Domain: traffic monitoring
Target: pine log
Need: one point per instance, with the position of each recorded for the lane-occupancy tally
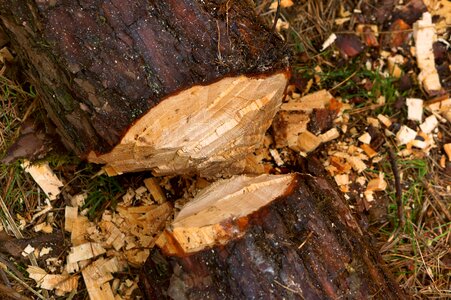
(268, 237)
(177, 86)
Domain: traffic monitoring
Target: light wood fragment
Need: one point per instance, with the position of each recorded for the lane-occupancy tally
(440, 106)
(377, 184)
(357, 164)
(384, 120)
(44, 177)
(329, 135)
(96, 276)
(373, 122)
(307, 141)
(309, 102)
(447, 148)
(79, 232)
(405, 135)
(393, 63)
(154, 188)
(287, 126)
(424, 36)
(85, 251)
(370, 152)
(61, 282)
(70, 214)
(43, 227)
(365, 138)
(28, 250)
(414, 109)
(276, 156)
(342, 179)
(429, 124)
(116, 238)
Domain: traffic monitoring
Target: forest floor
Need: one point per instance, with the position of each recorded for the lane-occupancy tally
(380, 131)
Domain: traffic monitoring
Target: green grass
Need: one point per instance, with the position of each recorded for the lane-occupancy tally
(103, 191)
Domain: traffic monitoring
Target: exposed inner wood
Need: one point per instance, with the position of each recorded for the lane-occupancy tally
(201, 129)
(218, 214)
(268, 237)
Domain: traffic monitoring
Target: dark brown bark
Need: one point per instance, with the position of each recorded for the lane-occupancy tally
(305, 245)
(102, 64)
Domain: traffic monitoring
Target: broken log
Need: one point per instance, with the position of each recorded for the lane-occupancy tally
(267, 237)
(177, 86)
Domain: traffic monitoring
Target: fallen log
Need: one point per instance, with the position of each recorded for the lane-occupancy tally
(267, 237)
(178, 86)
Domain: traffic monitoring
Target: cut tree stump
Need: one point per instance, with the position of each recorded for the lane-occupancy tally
(268, 237)
(177, 86)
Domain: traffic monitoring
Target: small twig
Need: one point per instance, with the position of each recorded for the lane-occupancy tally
(401, 220)
(11, 293)
(306, 240)
(25, 285)
(289, 289)
(394, 166)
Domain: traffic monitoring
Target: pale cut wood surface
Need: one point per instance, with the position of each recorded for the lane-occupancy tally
(203, 129)
(219, 213)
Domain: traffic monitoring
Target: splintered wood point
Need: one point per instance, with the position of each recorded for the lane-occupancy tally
(219, 213)
(177, 87)
(44, 177)
(199, 129)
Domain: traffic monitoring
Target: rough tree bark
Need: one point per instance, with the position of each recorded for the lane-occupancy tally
(166, 85)
(268, 237)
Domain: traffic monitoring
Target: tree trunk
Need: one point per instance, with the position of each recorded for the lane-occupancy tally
(268, 237)
(166, 85)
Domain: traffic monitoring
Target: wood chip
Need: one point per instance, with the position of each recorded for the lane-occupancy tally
(368, 150)
(43, 227)
(307, 142)
(384, 120)
(154, 188)
(70, 214)
(96, 277)
(329, 135)
(283, 3)
(342, 179)
(28, 250)
(405, 135)
(357, 164)
(85, 251)
(309, 102)
(44, 177)
(373, 122)
(64, 283)
(424, 36)
(329, 41)
(447, 148)
(429, 124)
(393, 63)
(276, 156)
(44, 251)
(365, 138)
(377, 184)
(414, 109)
(287, 126)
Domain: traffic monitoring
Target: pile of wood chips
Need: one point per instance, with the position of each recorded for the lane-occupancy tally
(122, 238)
